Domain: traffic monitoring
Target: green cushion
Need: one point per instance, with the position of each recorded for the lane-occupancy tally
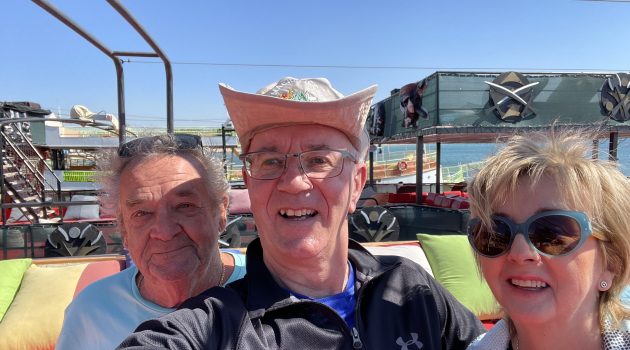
(454, 266)
(10, 279)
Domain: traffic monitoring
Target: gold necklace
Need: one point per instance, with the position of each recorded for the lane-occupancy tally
(141, 277)
(222, 274)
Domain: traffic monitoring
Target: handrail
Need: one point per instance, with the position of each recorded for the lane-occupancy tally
(5, 141)
(12, 163)
(49, 203)
(60, 120)
(17, 150)
(31, 188)
(114, 55)
(42, 161)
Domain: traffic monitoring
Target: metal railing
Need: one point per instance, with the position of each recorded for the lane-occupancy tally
(28, 185)
(461, 172)
(115, 57)
(30, 166)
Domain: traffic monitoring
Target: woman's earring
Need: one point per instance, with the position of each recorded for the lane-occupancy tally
(603, 286)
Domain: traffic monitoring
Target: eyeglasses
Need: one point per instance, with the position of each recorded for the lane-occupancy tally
(318, 164)
(143, 144)
(550, 233)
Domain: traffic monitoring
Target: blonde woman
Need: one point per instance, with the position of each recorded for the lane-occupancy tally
(551, 229)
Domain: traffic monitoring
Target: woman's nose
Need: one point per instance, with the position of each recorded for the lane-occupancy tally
(522, 251)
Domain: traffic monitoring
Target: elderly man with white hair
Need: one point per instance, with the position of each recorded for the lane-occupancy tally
(307, 285)
(171, 202)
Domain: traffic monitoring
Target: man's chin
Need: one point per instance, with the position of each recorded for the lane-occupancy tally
(176, 271)
(295, 248)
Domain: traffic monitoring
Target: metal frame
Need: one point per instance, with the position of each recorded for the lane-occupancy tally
(58, 184)
(115, 56)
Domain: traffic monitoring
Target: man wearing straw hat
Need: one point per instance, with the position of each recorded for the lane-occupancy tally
(307, 285)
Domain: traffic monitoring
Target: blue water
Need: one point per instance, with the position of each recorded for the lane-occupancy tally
(460, 153)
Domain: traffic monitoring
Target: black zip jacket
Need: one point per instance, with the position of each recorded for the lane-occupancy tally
(399, 306)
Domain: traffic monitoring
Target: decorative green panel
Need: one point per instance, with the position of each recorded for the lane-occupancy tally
(468, 99)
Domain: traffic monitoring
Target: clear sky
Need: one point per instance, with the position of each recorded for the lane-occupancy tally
(43, 61)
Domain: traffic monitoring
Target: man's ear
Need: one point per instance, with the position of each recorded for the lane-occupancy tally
(244, 174)
(223, 209)
(121, 228)
(358, 181)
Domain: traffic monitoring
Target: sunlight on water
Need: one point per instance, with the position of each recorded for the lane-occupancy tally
(461, 153)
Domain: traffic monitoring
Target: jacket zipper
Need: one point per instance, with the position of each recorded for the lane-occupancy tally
(356, 341)
(354, 333)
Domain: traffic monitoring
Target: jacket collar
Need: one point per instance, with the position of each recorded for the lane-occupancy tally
(265, 293)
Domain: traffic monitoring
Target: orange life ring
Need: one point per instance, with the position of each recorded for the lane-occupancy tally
(402, 166)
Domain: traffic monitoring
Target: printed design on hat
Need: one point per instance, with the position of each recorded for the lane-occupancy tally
(511, 96)
(286, 89)
(615, 97)
(294, 95)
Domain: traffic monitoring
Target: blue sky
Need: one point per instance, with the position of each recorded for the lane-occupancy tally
(44, 61)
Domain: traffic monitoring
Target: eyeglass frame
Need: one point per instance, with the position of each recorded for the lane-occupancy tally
(129, 148)
(344, 154)
(586, 230)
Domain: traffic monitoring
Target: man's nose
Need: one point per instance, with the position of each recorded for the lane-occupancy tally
(294, 180)
(165, 224)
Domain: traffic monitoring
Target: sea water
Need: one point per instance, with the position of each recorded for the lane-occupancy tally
(462, 153)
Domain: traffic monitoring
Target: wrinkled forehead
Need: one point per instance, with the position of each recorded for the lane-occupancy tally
(145, 163)
(303, 136)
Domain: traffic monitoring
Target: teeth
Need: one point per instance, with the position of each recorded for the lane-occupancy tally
(296, 212)
(529, 283)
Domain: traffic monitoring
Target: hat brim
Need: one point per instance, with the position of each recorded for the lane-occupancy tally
(253, 113)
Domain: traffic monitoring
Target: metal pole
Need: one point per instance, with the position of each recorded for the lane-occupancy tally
(612, 146)
(167, 64)
(595, 150)
(117, 62)
(438, 166)
(371, 162)
(419, 166)
(4, 218)
(224, 149)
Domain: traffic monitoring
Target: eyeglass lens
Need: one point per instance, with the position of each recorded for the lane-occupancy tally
(317, 164)
(552, 235)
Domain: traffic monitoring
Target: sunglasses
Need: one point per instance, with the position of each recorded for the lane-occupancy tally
(143, 144)
(551, 233)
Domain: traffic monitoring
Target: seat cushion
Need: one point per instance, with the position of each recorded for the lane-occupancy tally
(10, 279)
(34, 319)
(454, 266)
(411, 251)
(85, 211)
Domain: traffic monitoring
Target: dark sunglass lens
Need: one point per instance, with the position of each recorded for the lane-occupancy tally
(555, 234)
(186, 141)
(491, 242)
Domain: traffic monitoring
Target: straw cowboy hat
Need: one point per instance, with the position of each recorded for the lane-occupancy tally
(292, 101)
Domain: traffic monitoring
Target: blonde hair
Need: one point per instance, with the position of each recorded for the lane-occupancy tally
(594, 186)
